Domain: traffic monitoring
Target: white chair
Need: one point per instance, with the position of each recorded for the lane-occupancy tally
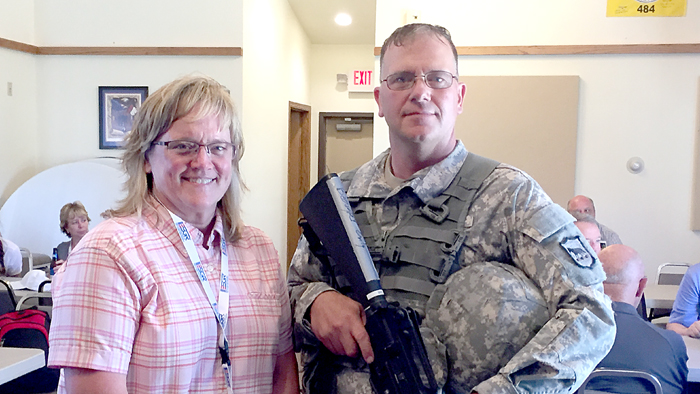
(41, 301)
(671, 273)
(668, 274)
(621, 374)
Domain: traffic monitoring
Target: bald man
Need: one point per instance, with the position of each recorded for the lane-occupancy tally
(639, 345)
(582, 207)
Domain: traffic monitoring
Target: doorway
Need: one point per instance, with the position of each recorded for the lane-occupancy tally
(298, 168)
(345, 141)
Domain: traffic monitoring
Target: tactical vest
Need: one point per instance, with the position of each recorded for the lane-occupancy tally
(423, 250)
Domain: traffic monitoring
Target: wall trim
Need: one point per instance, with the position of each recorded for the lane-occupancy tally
(574, 49)
(121, 51)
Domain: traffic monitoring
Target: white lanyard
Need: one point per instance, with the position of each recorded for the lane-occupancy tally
(221, 308)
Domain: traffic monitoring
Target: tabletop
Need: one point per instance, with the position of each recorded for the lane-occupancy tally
(660, 296)
(15, 362)
(692, 346)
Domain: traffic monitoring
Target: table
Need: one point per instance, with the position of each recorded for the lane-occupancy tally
(660, 296)
(692, 346)
(15, 362)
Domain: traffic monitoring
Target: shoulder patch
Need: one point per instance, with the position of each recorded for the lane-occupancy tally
(575, 248)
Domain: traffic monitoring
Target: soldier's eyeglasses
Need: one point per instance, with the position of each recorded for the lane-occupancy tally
(405, 80)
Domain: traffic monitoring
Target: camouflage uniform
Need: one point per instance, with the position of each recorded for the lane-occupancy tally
(520, 316)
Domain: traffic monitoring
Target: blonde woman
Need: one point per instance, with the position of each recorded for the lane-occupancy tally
(74, 224)
(174, 294)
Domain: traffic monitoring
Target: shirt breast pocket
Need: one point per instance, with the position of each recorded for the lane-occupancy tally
(254, 320)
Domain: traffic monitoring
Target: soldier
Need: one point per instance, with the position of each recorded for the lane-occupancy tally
(510, 292)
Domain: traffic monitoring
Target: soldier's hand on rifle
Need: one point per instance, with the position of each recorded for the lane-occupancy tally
(339, 323)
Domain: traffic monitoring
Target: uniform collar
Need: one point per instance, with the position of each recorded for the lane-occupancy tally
(428, 183)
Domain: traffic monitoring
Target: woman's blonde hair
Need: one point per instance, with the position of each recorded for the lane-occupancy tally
(155, 117)
(72, 209)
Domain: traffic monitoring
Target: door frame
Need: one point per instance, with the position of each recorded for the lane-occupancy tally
(297, 188)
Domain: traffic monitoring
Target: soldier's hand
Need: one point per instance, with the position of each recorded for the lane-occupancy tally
(339, 323)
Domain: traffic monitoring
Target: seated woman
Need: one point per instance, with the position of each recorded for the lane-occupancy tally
(173, 293)
(10, 258)
(74, 223)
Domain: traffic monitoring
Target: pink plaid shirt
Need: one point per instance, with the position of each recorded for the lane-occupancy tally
(129, 301)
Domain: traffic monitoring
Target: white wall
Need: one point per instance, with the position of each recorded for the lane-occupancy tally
(54, 112)
(18, 137)
(275, 66)
(329, 96)
(516, 22)
(67, 103)
(52, 118)
(630, 105)
(138, 23)
(17, 20)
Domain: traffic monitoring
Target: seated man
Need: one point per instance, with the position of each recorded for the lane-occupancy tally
(685, 316)
(639, 345)
(582, 207)
(10, 258)
(590, 231)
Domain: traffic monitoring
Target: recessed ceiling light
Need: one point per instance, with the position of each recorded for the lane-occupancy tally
(343, 19)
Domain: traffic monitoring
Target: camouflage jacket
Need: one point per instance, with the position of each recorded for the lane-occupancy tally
(512, 222)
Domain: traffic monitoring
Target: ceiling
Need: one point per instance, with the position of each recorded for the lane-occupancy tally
(317, 19)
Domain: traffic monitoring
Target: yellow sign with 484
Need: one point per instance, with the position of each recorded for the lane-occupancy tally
(646, 8)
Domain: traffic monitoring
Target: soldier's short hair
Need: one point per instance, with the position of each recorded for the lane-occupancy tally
(407, 33)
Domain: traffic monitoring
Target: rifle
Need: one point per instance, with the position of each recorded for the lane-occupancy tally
(401, 364)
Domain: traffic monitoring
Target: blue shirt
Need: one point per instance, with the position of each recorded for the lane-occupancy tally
(686, 307)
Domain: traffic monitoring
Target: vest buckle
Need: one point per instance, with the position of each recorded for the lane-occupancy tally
(392, 254)
(437, 214)
(445, 268)
(454, 245)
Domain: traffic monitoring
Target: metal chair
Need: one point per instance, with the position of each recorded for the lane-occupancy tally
(27, 260)
(7, 298)
(622, 375)
(41, 300)
(668, 274)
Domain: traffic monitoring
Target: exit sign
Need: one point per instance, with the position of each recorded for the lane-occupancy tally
(361, 81)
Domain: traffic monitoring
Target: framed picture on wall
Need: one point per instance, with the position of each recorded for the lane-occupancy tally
(118, 105)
